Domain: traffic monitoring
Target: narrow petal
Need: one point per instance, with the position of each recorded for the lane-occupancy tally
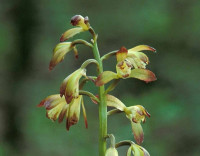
(146, 153)
(143, 74)
(142, 47)
(138, 132)
(105, 77)
(59, 53)
(121, 54)
(73, 112)
(63, 85)
(114, 102)
(129, 151)
(63, 113)
(84, 114)
(70, 33)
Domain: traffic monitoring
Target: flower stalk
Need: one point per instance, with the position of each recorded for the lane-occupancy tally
(102, 103)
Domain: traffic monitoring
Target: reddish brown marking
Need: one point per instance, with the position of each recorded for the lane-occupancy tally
(126, 75)
(149, 115)
(72, 121)
(86, 123)
(133, 119)
(95, 102)
(122, 50)
(139, 139)
(152, 49)
(62, 38)
(68, 98)
(98, 81)
(151, 77)
(62, 115)
(41, 103)
(51, 65)
(75, 19)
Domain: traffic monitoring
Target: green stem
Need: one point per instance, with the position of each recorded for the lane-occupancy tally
(102, 104)
(124, 143)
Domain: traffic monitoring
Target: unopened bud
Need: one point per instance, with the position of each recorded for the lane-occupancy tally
(111, 152)
(79, 20)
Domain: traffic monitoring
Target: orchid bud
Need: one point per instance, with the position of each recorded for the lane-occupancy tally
(111, 152)
(79, 20)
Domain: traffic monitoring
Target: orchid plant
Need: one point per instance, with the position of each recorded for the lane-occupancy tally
(67, 104)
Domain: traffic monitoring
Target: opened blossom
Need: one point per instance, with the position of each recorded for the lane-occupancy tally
(82, 25)
(57, 108)
(126, 61)
(136, 114)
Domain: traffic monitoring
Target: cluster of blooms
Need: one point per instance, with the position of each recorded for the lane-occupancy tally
(130, 64)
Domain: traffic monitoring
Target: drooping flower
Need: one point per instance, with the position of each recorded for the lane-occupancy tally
(111, 152)
(70, 86)
(135, 114)
(137, 150)
(59, 53)
(57, 108)
(126, 60)
(81, 23)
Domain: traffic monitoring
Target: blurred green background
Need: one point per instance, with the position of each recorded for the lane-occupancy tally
(29, 30)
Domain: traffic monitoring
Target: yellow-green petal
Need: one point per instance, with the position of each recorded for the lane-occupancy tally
(72, 85)
(114, 102)
(54, 105)
(142, 47)
(129, 151)
(143, 74)
(59, 53)
(73, 112)
(105, 77)
(70, 33)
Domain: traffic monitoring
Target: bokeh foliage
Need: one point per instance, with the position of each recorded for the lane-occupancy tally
(30, 29)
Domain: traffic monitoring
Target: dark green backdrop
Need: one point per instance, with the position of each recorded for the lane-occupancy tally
(29, 29)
